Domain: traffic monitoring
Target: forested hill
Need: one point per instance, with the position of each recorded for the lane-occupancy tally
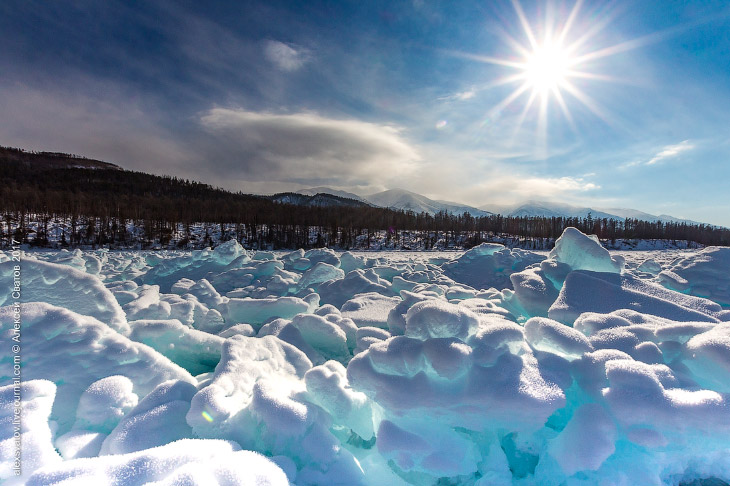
(319, 199)
(51, 160)
(51, 183)
(97, 203)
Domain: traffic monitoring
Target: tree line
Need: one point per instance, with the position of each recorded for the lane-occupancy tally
(117, 208)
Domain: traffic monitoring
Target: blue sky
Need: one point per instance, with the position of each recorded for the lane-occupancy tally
(370, 95)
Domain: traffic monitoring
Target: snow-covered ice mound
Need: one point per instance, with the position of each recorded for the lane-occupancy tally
(705, 274)
(496, 367)
(65, 287)
(489, 265)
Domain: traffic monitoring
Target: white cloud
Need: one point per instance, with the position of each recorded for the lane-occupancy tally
(465, 95)
(304, 148)
(546, 186)
(460, 96)
(287, 57)
(511, 188)
(628, 165)
(671, 151)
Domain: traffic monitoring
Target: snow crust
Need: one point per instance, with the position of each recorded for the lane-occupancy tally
(491, 367)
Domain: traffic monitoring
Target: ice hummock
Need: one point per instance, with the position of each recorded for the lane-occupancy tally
(492, 367)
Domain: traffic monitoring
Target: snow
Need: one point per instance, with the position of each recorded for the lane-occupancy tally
(74, 351)
(326, 337)
(585, 291)
(704, 275)
(558, 209)
(160, 418)
(489, 265)
(493, 366)
(65, 287)
(548, 335)
(319, 273)
(410, 201)
(258, 311)
(369, 309)
(710, 357)
(35, 433)
(189, 462)
(438, 319)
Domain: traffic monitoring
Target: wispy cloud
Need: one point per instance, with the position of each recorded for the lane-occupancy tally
(460, 96)
(671, 151)
(287, 57)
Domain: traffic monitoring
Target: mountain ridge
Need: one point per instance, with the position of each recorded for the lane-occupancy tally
(549, 209)
(418, 203)
(407, 200)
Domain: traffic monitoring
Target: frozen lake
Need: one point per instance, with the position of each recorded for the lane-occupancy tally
(483, 367)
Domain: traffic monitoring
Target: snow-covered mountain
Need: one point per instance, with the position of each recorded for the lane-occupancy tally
(550, 209)
(633, 213)
(547, 209)
(406, 200)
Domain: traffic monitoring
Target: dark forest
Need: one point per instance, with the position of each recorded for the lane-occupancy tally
(100, 200)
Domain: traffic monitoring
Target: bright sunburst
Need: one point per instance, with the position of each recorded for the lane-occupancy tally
(545, 68)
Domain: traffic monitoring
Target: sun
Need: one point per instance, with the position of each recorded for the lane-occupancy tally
(547, 68)
(553, 61)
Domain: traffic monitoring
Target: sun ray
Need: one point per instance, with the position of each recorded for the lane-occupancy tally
(506, 80)
(542, 126)
(509, 99)
(593, 76)
(547, 57)
(564, 109)
(515, 44)
(615, 49)
(525, 24)
(569, 22)
(586, 101)
(486, 59)
(643, 40)
(596, 27)
(523, 114)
